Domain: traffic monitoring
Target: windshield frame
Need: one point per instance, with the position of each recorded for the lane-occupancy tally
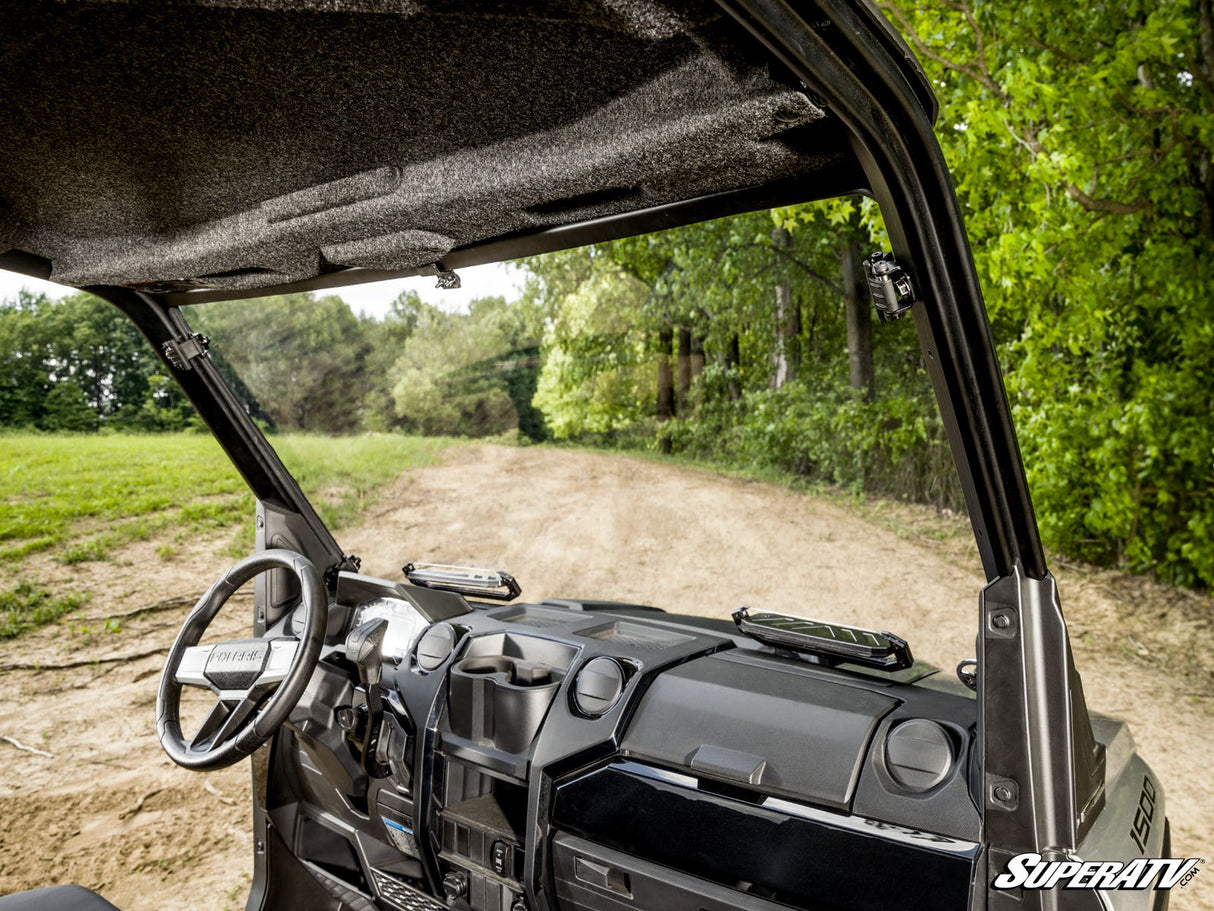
(1033, 723)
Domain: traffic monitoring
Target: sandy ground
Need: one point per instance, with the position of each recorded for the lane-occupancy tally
(106, 809)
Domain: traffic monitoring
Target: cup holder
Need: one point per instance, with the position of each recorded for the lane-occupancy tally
(515, 671)
(500, 700)
(485, 665)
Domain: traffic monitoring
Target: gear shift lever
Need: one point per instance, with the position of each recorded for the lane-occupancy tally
(364, 648)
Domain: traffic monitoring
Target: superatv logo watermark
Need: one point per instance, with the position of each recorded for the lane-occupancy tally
(1031, 871)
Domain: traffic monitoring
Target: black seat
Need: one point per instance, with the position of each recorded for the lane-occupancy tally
(56, 898)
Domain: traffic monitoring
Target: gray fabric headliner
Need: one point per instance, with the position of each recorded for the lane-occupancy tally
(244, 143)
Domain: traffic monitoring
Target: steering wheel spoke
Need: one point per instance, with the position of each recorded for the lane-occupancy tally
(226, 717)
(192, 670)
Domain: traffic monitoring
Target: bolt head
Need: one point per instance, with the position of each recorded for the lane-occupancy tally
(1001, 621)
(1003, 793)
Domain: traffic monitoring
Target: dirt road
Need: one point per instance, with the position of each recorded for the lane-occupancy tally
(108, 810)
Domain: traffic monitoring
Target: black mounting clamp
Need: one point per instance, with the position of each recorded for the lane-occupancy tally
(889, 285)
(349, 563)
(180, 351)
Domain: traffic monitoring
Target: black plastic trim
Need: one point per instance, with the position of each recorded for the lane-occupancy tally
(783, 857)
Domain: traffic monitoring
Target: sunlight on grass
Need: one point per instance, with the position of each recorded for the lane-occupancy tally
(80, 498)
(83, 496)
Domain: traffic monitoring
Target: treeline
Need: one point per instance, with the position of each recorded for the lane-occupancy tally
(295, 362)
(78, 363)
(312, 364)
(749, 341)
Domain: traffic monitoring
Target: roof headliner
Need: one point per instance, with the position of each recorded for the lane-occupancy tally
(244, 144)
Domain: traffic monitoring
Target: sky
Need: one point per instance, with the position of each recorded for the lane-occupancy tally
(371, 299)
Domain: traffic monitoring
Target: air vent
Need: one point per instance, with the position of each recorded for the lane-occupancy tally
(598, 686)
(435, 646)
(918, 754)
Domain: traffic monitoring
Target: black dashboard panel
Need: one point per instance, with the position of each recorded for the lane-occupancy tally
(780, 729)
(578, 755)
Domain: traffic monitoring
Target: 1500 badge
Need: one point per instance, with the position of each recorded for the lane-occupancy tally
(1140, 831)
(1032, 871)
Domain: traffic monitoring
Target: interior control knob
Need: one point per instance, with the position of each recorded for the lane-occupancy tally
(455, 886)
(347, 719)
(598, 686)
(435, 646)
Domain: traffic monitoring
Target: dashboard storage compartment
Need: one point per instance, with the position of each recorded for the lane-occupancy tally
(638, 830)
(707, 716)
(591, 877)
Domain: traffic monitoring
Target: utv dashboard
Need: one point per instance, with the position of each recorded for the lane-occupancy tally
(588, 755)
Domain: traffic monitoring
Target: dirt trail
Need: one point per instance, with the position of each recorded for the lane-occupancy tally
(111, 812)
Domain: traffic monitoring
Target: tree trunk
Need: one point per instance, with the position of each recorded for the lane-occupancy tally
(792, 337)
(733, 368)
(684, 370)
(697, 356)
(859, 322)
(781, 366)
(665, 376)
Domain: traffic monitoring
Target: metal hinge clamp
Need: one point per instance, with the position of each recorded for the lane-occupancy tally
(889, 285)
(349, 563)
(180, 351)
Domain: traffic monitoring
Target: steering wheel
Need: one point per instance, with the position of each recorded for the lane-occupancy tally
(256, 682)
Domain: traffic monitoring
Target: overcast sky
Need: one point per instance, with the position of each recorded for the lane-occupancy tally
(372, 298)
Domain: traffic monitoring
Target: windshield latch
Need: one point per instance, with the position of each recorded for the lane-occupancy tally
(180, 351)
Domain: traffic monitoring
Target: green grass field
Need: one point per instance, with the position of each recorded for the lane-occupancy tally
(78, 498)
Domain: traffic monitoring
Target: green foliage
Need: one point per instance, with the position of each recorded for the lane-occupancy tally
(77, 364)
(598, 375)
(301, 357)
(893, 446)
(387, 338)
(606, 306)
(28, 607)
(468, 374)
(65, 408)
(1081, 140)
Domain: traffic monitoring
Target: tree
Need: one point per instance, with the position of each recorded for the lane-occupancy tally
(1081, 138)
(60, 359)
(470, 374)
(387, 339)
(24, 373)
(67, 409)
(599, 374)
(302, 357)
